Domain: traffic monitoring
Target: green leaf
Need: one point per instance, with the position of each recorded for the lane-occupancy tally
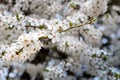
(10, 28)
(73, 5)
(70, 23)
(3, 53)
(42, 26)
(17, 17)
(104, 58)
(66, 44)
(117, 75)
(46, 70)
(94, 55)
(43, 37)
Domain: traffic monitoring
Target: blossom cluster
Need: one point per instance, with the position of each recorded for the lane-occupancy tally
(27, 26)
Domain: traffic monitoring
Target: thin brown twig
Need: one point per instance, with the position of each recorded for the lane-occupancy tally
(76, 26)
